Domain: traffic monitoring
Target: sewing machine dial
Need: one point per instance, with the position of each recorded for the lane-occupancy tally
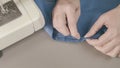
(8, 11)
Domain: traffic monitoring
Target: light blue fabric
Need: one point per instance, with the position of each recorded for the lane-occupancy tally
(90, 12)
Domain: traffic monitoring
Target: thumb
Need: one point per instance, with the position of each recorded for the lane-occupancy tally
(96, 27)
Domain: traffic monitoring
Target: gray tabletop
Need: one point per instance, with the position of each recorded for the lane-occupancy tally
(40, 51)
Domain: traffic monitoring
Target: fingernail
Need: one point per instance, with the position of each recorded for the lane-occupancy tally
(77, 36)
(85, 36)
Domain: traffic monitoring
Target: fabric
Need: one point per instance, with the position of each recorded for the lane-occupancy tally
(90, 12)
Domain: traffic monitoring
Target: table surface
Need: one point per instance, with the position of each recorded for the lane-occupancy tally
(40, 51)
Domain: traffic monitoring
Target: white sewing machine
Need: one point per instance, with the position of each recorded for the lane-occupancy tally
(18, 19)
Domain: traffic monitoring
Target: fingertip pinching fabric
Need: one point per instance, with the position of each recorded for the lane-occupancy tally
(91, 10)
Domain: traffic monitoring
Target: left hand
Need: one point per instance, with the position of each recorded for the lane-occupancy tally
(65, 16)
(109, 42)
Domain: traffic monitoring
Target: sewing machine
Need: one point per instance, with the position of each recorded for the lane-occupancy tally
(18, 19)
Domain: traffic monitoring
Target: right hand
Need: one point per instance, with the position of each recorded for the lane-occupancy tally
(65, 17)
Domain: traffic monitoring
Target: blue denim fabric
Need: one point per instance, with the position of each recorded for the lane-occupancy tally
(90, 12)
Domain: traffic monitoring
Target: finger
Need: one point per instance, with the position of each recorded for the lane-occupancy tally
(59, 23)
(109, 46)
(72, 19)
(98, 24)
(98, 48)
(114, 52)
(104, 39)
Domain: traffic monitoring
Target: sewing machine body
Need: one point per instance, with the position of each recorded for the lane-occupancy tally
(29, 20)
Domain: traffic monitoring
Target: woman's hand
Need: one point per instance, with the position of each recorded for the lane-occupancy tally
(65, 17)
(109, 42)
